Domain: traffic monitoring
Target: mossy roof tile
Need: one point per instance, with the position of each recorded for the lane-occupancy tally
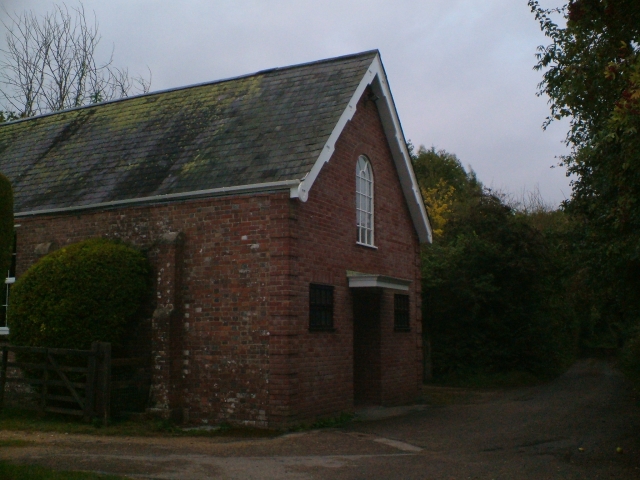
(266, 127)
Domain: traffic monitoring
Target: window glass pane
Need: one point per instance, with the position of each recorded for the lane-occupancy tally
(364, 201)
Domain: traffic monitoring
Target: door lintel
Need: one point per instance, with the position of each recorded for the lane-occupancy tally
(373, 280)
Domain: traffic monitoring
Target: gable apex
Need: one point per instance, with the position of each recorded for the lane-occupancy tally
(376, 78)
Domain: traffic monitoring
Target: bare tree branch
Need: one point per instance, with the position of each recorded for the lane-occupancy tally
(50, 64)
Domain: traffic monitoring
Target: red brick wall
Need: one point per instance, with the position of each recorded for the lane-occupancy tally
(325, 230)
(211, 345)
(230, 332)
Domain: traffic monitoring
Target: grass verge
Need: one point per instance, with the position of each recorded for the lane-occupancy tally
(511, 379)
(12, 419)
(11, 471)
(14, 442)
(330, 422)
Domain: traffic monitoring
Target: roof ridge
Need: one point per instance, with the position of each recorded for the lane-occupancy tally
(196, 85)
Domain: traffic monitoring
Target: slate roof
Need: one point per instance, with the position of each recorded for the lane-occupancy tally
(266, 127)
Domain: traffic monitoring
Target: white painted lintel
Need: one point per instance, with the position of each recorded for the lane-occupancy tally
(370, 280)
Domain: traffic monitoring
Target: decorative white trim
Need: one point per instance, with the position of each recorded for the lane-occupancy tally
(377, 79)
(213, 192)
(327, 151)
(365, 245)
(369, 280)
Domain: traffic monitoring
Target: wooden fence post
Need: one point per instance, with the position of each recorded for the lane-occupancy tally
(90, 390)
(45, 382)
(103, 383)
(3, 375)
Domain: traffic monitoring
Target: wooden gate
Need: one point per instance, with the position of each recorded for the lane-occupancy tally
(72, 382)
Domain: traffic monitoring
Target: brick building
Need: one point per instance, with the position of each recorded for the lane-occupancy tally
(282, 216)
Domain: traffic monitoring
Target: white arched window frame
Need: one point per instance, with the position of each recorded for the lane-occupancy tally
(364, 202)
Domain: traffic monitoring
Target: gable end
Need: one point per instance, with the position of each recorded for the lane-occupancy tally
(376, 78)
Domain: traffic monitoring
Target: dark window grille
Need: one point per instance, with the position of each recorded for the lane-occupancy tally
(320, 307)
(401, 318)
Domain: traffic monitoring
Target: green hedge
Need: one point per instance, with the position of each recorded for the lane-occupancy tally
(492, 296)
(630, 360)
(6, 224)
(86, 292)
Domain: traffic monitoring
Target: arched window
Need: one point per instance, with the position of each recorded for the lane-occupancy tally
(364, 201)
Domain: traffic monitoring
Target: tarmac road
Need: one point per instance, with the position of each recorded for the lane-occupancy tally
(570, 428)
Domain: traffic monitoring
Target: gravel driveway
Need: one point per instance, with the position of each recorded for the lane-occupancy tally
(584, 425)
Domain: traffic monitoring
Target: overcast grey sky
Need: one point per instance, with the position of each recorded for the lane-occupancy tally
(460, 70)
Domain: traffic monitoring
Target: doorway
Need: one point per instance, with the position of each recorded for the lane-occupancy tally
(367, 378)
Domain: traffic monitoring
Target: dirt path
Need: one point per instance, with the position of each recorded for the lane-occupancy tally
(568, 429)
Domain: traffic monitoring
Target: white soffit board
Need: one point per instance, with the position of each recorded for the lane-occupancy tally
(213, 192)
(367, 280)
(377, 79)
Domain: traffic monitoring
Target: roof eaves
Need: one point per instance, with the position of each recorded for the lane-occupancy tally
(213, 192)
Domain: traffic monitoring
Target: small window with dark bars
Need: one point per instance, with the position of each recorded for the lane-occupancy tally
(320, 307)
(401, 313)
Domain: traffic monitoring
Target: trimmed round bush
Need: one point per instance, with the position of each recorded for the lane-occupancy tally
(89, 291)
(6, 224)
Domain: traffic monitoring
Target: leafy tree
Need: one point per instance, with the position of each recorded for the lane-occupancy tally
(490, 295)
(440, 167)
(592, 77)
(443, 182)
(439, 201)
(493, 278)
(50, 64)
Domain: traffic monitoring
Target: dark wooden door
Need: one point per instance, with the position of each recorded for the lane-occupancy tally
(366, 348)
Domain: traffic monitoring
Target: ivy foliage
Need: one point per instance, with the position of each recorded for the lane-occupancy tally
(591, 74)
(592, 77)
(85, 292)
(492, 279)
(6, 223)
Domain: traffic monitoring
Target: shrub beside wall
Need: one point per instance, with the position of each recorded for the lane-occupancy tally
(85, 292)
